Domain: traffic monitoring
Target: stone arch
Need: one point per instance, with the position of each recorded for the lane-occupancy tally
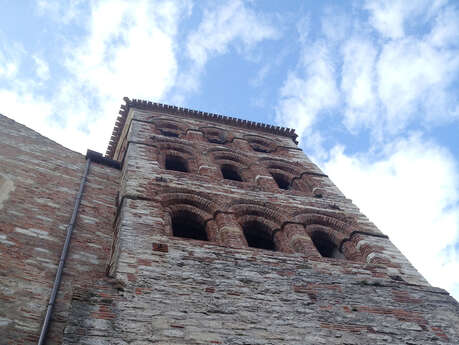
(323, 237)
(261, 144)
(228, 158)
(197, 208)
(168, 149)
(335, 229)
(189, 198)
(249, 207)
(215, 135)
(339, 223)
(287, 175)
(228, 154)
(253, 218)
(169, 127)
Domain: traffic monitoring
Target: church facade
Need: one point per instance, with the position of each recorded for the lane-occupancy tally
(197, 228)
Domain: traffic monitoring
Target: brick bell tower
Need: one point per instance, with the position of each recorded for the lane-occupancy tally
(226, 233)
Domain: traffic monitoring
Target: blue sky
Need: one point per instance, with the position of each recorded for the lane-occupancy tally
(370, 86)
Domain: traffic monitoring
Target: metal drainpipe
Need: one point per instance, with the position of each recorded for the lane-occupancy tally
(65, 249)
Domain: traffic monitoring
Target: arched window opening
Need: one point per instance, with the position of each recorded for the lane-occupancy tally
(258, 236)
(187, 225)
(230, 173)
(216, 137)
(169, 133)
(325, 246)
(259, 147)
(281, 180)
(169, 130)
(176, 163)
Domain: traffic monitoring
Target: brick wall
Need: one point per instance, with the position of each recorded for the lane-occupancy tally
(39, 182)
(162, 289)
(182, 291)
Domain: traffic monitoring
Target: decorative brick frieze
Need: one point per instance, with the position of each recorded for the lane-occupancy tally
(183, 112)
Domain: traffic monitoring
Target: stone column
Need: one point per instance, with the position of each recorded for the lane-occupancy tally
(263, 178)
(207, 168)
(231, 234)
(298, 240)
(281, 242)
(194, 135)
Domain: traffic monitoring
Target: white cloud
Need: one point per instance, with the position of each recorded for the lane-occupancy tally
(25, 108)
(63, 11)
(307, 93)
(232, 22)
(335, 24)
(41, 68)
(411, 193)
(390, 17)
(230, 25)
(11, 56)
(8, 68)
(414, 78)
(388, 82)
(445, 31)
(129, 50)
(127, 40)
(408, 77)
(358, 82)
(303, 27)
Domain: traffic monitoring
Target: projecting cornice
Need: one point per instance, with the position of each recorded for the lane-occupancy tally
(173, 110)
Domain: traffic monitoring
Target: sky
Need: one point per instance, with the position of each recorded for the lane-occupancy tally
(371, 88)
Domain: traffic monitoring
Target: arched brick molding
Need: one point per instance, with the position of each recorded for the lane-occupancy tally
(261, 144)
(339, 222)
(222, 157)
(198, 207)
(288, 175)
(263, 218)
(335, 229)
(251, 207)
(169, 127)
(181, 151)
(189, 198)
(215, 135)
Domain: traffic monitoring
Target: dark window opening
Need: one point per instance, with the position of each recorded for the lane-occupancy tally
(258, 236)
(216, 137)
(185, 224)
(281, 180)
(176, 163)
(169, 134)
(325, 246)
(259, 148)
(230, 173)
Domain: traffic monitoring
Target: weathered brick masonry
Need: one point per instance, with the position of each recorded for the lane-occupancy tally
(39, 180)
(331, 277)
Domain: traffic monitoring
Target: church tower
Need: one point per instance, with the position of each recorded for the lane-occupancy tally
(222, 231)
